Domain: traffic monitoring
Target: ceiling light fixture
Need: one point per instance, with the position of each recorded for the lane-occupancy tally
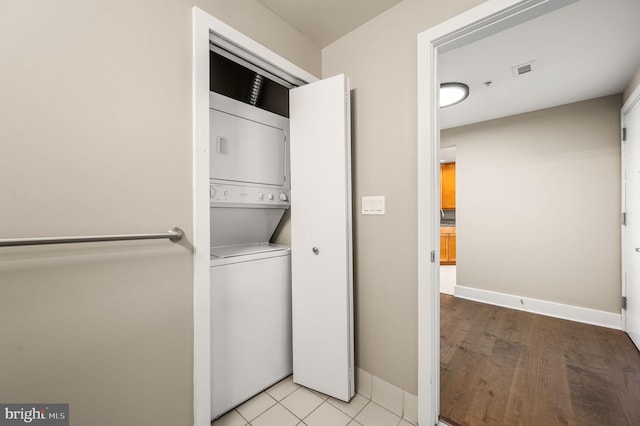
(453, 93)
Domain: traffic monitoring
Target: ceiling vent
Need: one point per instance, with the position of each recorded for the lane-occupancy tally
(521, 69)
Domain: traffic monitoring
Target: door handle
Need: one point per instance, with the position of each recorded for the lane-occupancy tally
(638, 249)
(315, 251)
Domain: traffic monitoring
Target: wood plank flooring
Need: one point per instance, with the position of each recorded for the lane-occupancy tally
(501, 366)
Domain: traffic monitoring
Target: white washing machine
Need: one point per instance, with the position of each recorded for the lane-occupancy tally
(251, 334)
(251, 322)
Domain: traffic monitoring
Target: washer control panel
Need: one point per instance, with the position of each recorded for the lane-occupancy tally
(230, 194)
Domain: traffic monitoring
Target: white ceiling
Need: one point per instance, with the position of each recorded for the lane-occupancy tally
(326, 21)
(585, 50)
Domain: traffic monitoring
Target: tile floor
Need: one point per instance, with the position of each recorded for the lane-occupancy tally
(447, 279)
(289, 404)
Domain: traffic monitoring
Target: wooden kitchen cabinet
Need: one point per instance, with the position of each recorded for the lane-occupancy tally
(444, 248)
(448, 186)
(447, 245)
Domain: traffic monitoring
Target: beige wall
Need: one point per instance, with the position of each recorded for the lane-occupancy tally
(538, 204)
(635, 82)
(95, 130)
(380, 59)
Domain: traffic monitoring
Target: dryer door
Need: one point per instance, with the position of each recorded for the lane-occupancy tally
(321, 237)
(246, 151)
(247, 145)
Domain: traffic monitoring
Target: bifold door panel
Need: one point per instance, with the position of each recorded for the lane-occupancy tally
(321, 237)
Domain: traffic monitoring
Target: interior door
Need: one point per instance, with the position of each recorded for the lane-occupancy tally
(631, 235)
(321, 252)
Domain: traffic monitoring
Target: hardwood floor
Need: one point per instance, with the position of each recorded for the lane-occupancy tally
(501, 366)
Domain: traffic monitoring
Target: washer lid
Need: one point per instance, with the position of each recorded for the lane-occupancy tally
(228, 255)
(243, 225)
(245, 249)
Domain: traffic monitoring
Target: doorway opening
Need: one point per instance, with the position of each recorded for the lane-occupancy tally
(489, 18)
(206, 27)
(247, 129)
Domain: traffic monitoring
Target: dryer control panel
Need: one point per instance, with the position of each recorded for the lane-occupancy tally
(249, 196)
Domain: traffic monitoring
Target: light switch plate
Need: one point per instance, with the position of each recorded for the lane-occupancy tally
(373, 205)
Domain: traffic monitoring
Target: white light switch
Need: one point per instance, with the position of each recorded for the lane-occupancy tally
(373, 205)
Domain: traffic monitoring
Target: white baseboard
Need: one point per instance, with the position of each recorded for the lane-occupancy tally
(399, 402)
(542, 307)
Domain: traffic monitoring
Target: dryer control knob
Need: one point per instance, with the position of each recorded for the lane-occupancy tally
(261, 196)
(283, 196)
(270, 196)
(212, 192)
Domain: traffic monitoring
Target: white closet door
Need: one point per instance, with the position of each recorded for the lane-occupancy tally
(321, 253)
(631, 233)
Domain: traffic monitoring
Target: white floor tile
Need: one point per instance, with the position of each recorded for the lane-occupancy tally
(404, 423)
(375, 415)
(320, 395)
(327, 415)
(354, 423)
(232, 418)
(256, 406)
(276, 416)
(282, 389)
(351, 408)
(302, 402)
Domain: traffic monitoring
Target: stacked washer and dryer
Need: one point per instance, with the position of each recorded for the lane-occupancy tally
(251, 332)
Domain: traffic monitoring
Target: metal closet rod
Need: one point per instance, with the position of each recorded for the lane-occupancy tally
(175, 234)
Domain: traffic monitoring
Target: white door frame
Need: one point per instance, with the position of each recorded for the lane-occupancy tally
(631, 102)
(488, 18)
(203, 26)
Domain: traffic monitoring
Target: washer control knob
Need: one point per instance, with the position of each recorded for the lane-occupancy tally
(283, 196)
(212, 191)
(261, 196)
(270, 196)
(226, 193)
